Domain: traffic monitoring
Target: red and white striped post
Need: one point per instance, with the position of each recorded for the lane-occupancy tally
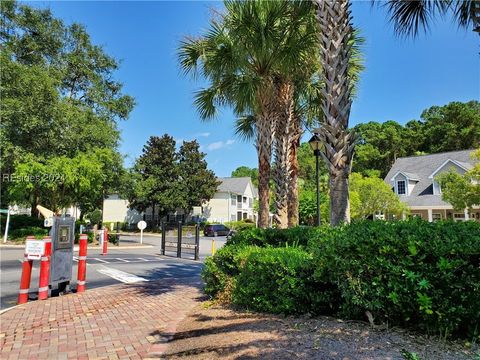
(45, 269)
(82, 263)
(26, 276)
(105, 241)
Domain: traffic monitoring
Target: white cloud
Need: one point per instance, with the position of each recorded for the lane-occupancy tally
(215, 145)
(219, 144)
(203, 134)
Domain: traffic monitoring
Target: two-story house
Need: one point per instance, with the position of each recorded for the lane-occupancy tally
(233, 201)
(413, 180)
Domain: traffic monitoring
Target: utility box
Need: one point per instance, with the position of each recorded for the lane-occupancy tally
(63, 235)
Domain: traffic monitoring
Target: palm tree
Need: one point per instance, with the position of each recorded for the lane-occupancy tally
(408, 17)
(336, 41)
(243, 55)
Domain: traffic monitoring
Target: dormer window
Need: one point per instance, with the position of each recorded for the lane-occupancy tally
(401, 187)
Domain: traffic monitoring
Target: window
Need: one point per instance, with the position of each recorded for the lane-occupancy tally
(436, 216)
(401, 189)
(244, 199)
(233, 218)
(233, 199)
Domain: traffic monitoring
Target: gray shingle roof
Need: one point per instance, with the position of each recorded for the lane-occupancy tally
(236, 185)
(422, 167)
(410, 175)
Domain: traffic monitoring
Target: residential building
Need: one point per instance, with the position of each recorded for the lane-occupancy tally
(413, 179)
(233, 201)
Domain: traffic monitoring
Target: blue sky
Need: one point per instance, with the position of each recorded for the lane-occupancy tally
(402, 76)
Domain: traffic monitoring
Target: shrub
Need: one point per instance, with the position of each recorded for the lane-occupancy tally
(90, 237)
(298, 236)
(280, 280)
(21, 222)
(240, 225)
(23, 233)
(222, 268)
(413, 273)
(410, 273)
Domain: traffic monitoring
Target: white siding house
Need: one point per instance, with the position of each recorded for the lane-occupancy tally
(413, 180)
(233, 201)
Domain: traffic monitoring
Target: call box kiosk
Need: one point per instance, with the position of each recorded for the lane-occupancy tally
(63, 235)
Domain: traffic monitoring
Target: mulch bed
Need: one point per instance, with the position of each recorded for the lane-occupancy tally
(219, 332)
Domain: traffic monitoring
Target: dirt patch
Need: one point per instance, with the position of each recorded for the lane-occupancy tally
(222, 333)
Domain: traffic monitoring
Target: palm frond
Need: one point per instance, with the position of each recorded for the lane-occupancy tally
(410, 16)
(245, 127)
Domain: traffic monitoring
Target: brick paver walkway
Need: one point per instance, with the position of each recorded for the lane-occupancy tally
(116, 322)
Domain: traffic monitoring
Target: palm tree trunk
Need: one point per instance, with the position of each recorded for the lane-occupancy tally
(264, 125)
(293, 170)
(264, 152)
(336, 32)
(282, 141)
(339, 198)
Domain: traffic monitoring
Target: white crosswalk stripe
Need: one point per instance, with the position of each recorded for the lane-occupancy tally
(91, 260)
(121, 275)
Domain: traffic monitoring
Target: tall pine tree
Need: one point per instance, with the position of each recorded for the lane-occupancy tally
(197, 183)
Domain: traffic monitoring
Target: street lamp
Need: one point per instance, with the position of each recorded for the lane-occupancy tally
(316, 144)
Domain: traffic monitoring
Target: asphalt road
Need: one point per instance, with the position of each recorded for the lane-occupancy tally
(120, 265)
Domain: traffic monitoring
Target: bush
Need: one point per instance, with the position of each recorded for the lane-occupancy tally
(222, 268)
(414, 274)
(280, 280)
(21, 234)
(21, 222)
(298, 236)
(409, 273)
(240, 225)
(90, 237)
(112, 238)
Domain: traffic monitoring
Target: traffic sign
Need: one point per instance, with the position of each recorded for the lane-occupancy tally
(141, 225)
(34, 249)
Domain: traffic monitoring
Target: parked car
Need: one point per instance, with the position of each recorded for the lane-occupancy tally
(216, 230)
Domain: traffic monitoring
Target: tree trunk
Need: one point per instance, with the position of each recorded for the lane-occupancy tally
(152, 224)
(264, 134)
(293, 170)
(339, 198)
(34, 212)
(336, 36)
(282, 140)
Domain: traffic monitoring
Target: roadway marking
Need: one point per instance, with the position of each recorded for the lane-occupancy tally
(121, 275)
(116, 260)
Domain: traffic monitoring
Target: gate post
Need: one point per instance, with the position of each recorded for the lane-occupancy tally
(197, 240)
(164, 235)
(179, 240)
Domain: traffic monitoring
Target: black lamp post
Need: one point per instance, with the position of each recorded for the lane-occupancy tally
(316, 144)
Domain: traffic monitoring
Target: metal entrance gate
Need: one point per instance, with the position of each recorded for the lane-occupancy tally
(180, 241)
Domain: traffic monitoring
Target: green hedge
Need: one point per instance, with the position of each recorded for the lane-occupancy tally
(298, 236)
(240, 225)
(281, 280)
(20, 222)
(409, 273)
(414, 274)
(23, 233)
